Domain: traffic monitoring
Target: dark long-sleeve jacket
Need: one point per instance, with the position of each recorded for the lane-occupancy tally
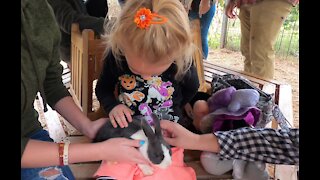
(40, 63)
(162, 95)
(73, 11)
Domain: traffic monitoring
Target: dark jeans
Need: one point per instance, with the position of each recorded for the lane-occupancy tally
(205, 22)
(38, 173)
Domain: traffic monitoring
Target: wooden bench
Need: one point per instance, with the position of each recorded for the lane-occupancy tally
(86, 64)
(282, 97)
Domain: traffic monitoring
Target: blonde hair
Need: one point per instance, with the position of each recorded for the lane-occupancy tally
(171, 39)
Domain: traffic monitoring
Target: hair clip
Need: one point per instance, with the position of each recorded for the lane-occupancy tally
(144, 17)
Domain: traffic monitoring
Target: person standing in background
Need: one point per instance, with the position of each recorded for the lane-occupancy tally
(203, 10)
(97, 8)
(75, 11)
(261, 21)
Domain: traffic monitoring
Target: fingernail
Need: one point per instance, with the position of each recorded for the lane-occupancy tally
(141, 142)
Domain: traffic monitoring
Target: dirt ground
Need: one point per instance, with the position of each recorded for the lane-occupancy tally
(286, 71)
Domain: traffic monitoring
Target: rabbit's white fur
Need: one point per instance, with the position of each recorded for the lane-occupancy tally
(146, 169)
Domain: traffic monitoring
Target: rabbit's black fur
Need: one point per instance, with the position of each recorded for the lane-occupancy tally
(157, 149)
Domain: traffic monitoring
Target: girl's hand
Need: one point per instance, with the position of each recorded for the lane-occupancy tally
(230, 9)
(120, 115)
(122, 150)
(204, 7)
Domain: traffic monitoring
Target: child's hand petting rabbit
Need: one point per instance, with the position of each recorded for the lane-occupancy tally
(120, 115)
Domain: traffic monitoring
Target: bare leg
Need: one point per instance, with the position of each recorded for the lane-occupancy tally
(200, 109)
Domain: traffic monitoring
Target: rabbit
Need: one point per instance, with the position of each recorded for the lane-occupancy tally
(155, 148)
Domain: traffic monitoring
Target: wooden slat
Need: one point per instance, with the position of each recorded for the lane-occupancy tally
(210, 67)
(79, 139)
(208, 63)
(286, 172)
(285, 102)
(87, 60)
(191, 155)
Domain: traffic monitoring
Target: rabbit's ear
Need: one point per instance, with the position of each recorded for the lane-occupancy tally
(148, 131)
(139, 117)
(156, 122)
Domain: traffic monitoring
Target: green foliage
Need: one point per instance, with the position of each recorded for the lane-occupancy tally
(221, 3)
(292, 19)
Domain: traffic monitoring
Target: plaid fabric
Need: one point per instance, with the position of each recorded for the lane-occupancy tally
(265, 144)
(244, 2)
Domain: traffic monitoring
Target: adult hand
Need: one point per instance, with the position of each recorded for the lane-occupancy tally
(122, 150)
(204, 7)
(178, 135)
(230, 9)
(181, 137)
(120, 115)
(93, 127)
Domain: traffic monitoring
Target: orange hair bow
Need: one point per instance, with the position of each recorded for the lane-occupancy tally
(144, 17)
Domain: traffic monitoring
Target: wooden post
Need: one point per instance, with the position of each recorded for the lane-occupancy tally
(223, 37)
(197, 57)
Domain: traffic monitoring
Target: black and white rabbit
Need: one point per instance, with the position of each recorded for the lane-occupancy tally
(155, 148)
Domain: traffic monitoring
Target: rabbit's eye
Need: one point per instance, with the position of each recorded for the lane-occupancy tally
(161, 156)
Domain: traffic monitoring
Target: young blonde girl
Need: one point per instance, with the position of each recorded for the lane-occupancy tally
(148, 70)
(148, 66)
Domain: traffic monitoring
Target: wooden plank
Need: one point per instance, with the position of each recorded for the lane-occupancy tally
(78, 139)
(191, 155)
(213, 67)
(285, 102)
(286, 172)
(217, 66)
(197, 56)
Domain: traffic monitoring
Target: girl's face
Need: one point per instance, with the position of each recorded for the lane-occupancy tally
(142, 66)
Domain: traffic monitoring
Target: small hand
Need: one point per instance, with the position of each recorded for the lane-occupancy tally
(230, 10)
(120, 115)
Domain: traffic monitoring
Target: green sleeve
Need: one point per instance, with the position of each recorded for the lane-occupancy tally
(53, 85)
(24, 142)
